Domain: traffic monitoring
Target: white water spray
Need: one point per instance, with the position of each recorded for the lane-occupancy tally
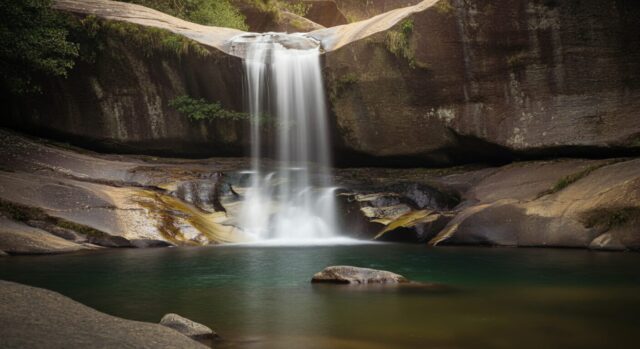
(294, 200)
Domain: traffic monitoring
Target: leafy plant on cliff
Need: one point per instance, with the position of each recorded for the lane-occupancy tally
(398, 42)
(444, 6)
(219, 13)
(200, 109)
(93, 33)
(33, 43)
(299, 8)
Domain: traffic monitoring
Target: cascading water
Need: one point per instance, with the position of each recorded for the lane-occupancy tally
(292, 200)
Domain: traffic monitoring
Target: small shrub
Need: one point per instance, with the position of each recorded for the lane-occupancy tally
(219, 13)
(200, 109)
(444, 6)
(93, 34)
(398, 42)
(299, 8)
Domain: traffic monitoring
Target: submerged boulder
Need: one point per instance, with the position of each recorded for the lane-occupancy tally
(187, 327)
(355, 275)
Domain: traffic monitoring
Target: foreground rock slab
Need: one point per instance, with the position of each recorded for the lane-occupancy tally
(37, 318)
(187, 327)
(18, 238)
(355, 275)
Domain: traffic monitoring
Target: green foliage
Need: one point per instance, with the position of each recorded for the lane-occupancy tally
(200, 109)
(93, 33)
(20, 213)
(444, 6)
(398, 42)
(566, 181)
(613, 217)
(299, 8)
(33, 43)
(219, 13)
(26, 214)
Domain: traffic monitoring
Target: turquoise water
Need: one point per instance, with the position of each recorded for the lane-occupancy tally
(260, 297)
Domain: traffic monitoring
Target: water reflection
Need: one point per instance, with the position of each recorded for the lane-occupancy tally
(260, 296)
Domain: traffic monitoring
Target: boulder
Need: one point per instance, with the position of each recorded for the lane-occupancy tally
(108, 200)
(355, 275)
(187, 327)
(19, 238)
(37, 318)
(3, 254)
(563, 203)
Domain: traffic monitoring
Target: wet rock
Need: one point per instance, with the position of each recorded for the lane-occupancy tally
(38, 318)
(111, 241)
(564, 203)
(108, 199)
(355, 275)
(3, 254)
(187, 327)
(19, 238)
(607, 242)
(149, 243)
(417, 226)
(60, 232)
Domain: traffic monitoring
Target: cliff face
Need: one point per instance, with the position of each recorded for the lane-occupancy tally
(121, 102)
(459, 81)
(478, 77)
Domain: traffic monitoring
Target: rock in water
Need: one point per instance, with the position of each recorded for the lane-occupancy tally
(187, 327)
(2, 253)
(355, 275)
(37, 318)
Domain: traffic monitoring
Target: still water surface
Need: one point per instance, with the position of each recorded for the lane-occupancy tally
(260, 296)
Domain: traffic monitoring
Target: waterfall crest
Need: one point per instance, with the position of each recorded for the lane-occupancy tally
(290, 198)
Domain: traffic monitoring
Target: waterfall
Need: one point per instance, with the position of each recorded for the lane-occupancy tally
(290, 197)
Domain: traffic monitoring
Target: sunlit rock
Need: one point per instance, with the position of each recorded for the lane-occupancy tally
(355, 275)
(187, 327)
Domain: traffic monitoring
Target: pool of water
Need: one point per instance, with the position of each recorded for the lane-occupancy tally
(261, 297)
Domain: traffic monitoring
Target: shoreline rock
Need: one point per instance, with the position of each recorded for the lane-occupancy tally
(188, 327)
(37, 318)
(18, 238)
(355, 275)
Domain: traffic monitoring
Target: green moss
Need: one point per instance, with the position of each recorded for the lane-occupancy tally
(94, 34)
(299, 8)
(200, 109)
(612, 217)
(24, 214)
(566, 181)
(341, 85)
(78, 228)
(21, 213)
(444, 6)
(398, 42)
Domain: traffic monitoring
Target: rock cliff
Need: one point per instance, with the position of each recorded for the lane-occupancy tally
(438, 82)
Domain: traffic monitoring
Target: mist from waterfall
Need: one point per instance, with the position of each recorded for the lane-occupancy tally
(291, 197)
